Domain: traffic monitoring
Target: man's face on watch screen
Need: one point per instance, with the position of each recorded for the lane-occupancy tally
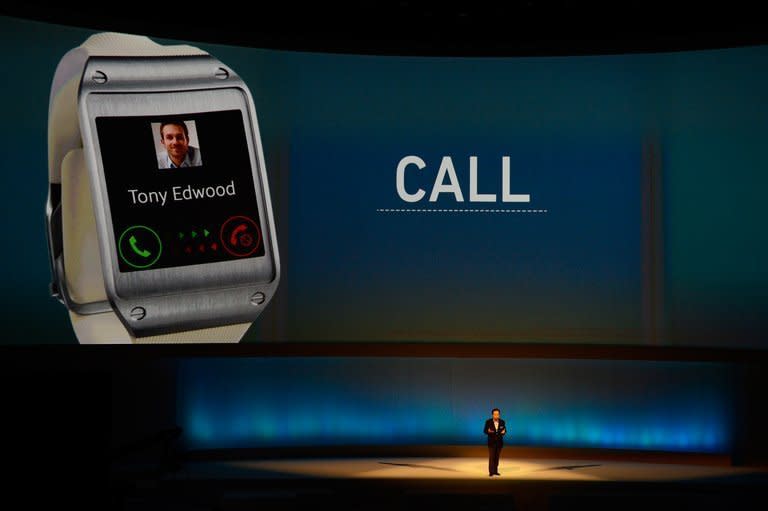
(175, 141)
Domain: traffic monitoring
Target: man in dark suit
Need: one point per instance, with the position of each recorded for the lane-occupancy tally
(495, 428)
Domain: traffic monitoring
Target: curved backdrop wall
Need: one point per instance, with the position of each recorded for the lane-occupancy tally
(279, 402)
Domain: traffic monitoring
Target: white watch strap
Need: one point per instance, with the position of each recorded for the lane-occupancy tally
(66, 165)
(106, 328)
(129, 45)
(63, 122)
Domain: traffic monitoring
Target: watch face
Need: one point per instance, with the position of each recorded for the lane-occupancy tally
(181, 189)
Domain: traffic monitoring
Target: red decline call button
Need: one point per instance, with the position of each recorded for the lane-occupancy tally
(240, 236)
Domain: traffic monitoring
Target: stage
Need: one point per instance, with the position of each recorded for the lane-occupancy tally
(450, 483)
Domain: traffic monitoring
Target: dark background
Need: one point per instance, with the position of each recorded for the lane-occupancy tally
(481, 27)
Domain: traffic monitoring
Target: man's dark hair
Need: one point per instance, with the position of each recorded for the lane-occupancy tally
(495, 410)
(174, 123)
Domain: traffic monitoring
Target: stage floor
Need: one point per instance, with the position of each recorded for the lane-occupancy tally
(447, 483)
(464, 468)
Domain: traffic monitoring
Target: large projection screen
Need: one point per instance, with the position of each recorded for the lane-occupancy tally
(588, 199)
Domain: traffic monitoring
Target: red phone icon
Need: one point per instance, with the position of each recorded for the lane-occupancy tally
(240, 236)
(237, 230)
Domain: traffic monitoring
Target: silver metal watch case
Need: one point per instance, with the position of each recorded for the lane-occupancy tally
(178, 298)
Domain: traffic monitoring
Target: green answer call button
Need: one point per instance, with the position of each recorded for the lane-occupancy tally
(139, 246)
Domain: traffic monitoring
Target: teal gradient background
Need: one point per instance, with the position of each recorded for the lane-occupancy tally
(334, 127)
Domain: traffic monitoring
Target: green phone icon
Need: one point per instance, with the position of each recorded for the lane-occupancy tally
(141, 252)
(139, 247)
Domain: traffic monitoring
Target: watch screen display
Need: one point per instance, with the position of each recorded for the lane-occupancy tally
(180, 188)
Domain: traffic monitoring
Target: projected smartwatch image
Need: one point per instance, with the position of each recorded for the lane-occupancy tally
(170, 207)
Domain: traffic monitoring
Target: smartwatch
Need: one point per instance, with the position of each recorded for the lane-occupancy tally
(159, 219)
